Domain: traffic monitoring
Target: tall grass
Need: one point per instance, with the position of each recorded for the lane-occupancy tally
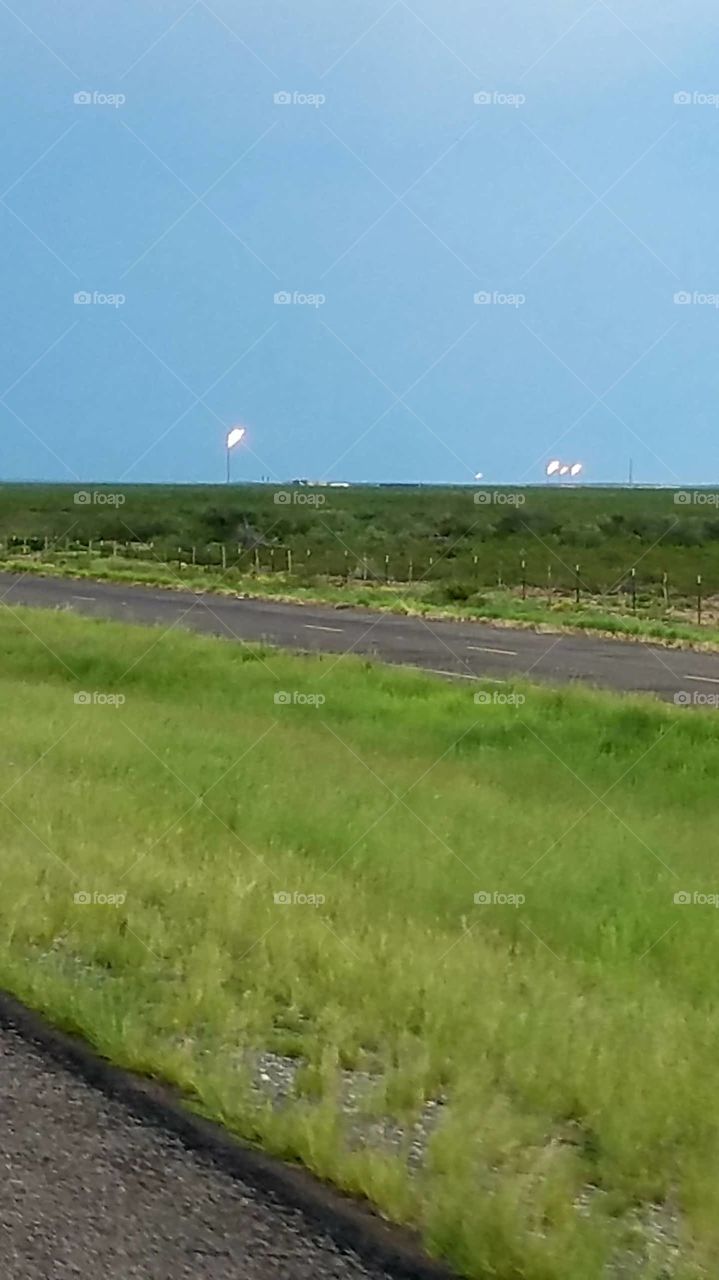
(572, 1038)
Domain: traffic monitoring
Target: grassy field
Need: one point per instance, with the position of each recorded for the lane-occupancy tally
(458, 538)
(482, 916)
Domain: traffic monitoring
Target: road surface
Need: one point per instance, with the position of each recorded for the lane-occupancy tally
(470, 650)
(88, 1189)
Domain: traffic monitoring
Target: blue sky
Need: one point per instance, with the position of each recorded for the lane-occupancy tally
(576, 193)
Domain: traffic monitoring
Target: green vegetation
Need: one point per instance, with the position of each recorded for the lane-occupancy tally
(606, 531)
(631, 561)
(572, 1037)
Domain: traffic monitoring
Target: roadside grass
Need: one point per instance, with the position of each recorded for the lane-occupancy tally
(594, 614)
(572, 1038)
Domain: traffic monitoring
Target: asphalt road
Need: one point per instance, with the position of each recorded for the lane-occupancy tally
(88, 1189)
(470, 650)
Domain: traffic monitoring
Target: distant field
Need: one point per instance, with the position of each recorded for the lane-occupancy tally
(438, 535)
(530, 1077)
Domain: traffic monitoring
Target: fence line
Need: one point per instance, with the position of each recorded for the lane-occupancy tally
(464, 575)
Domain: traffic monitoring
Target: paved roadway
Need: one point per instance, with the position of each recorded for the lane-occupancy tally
(471, 650)
(88, 1189)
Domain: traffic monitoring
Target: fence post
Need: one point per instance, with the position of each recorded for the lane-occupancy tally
(386, 568)
(289, 560)
(524, 579)
(577, 585)
(224, 556)
(634, 590)
(194, 555)
(665, 589)
(549, 584)
(257, 559)
(699, 599)
(410, 571)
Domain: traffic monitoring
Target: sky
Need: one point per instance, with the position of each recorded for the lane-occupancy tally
(398, 242)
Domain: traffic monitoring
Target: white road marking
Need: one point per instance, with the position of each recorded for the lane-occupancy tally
(485, 648)
(311, 627)
(703, 679)
(91, 598)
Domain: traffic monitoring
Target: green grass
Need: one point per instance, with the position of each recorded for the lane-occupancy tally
(574, 1037)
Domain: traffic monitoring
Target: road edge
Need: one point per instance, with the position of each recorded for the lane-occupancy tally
(537, 626)
(352, 1225)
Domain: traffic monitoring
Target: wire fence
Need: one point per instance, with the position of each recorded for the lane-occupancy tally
(458, 576)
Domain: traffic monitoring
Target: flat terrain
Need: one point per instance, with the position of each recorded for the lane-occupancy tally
(471, 650)
(472, 535)
(454, 955)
